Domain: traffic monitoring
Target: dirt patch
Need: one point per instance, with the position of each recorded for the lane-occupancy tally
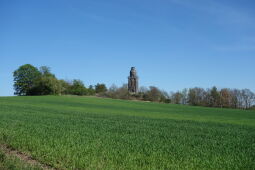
(24, 157)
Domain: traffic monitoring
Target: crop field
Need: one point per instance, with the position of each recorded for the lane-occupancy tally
(70, 132)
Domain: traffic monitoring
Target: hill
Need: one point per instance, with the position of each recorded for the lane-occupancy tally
(70, 132)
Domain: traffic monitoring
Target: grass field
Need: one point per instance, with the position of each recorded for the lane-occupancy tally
(95, 133)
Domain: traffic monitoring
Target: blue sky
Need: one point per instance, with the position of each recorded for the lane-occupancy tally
(174, 44)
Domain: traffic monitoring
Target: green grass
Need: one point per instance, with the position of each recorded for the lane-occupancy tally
(94, 133)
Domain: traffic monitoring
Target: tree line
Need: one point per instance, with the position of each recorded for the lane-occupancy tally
(213, 97)
(29, 80)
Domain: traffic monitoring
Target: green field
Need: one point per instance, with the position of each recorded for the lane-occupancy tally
(95, 133)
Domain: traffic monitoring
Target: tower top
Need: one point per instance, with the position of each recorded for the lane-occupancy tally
(133, 72)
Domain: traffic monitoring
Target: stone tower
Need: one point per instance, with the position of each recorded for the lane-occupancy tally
(133, 81)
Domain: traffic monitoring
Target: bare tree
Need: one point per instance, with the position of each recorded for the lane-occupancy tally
(197, 96)
(143, 89)
(184, 95)
(248, 98)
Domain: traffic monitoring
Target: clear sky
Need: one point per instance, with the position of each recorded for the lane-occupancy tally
(174, 44)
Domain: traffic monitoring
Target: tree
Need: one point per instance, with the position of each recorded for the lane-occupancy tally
(113, 88)
(165, 97)
(225, 98)
(24, 79)
(78, 88)
(197, 96)
(176, 98)
(112, 91)
(45, 71)
(192, 97)
(236, 98)
(215, 97)
(46, 85)
(184, 95)
(248, 98)
(143, 89)
(122, 92)
(118, 92)
(91, 90)
(153, 94)
(100, 88)
(65, 87)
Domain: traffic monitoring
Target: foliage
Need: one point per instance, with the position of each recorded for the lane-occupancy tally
(78, 88)
(95, 133)
(45, 70)
(46, 85)
(153, 94)
(177, 98)
(24, 79)
(28, 80)
(118, 93)
(65, 87)
(197, 96)
(100, 88)
(224, 98)
(91, 90)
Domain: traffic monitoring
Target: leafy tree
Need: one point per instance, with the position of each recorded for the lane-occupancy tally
(78, 88)
(91, 90)
(46, 85)
(45, 71)
(24, 79)
(65, 87)
(100, 88)
(215, 97)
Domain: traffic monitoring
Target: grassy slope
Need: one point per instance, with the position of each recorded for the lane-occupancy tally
(86, 132)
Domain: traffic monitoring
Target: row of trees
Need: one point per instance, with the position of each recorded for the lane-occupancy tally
(152, 93)
(224, 98)
(29, 80)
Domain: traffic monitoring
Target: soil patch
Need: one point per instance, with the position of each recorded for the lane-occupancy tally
(24, 157)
